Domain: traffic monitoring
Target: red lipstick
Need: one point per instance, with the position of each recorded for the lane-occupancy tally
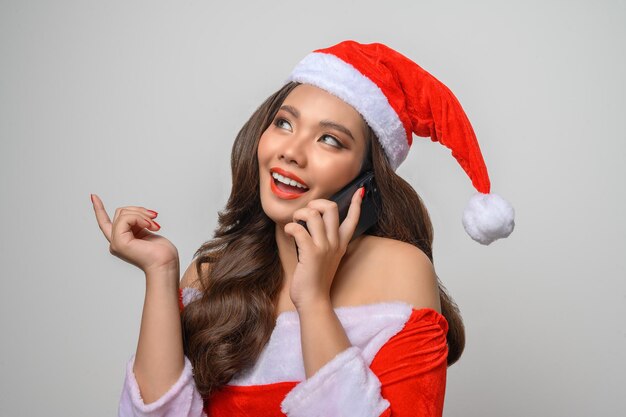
(282, 194)
(288, 175)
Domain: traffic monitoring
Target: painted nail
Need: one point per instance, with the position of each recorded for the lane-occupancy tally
(362, 191)
(158, 225)
(154, 213)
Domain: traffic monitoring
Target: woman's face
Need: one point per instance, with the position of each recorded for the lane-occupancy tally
(315, 139)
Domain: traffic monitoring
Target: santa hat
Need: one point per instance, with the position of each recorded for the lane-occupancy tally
(397, 98)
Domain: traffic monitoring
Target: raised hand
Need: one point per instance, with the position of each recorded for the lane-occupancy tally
(320, 252)
(131, 240)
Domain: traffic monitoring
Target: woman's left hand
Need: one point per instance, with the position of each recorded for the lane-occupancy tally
(320, 252)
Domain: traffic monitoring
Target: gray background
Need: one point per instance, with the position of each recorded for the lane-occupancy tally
(139, 102)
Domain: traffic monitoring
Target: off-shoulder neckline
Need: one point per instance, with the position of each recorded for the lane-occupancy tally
(394, 307)
(289, 316)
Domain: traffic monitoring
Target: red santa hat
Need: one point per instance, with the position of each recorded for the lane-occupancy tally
(397, 98)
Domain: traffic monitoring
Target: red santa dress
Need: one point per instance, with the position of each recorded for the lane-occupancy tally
(396, 367)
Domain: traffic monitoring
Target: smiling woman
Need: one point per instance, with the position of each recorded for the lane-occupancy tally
(351, 327)
(310, 142)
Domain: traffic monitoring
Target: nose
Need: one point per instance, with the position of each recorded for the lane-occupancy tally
(294, 150)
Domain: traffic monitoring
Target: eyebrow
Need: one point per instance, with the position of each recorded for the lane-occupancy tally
(323, 123)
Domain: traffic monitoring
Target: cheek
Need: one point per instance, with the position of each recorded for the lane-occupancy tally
(334, 175)
(263, 150)
(264, 158)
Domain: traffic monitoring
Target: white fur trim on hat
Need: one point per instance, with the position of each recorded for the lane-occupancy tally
(341, 79)
(488, 217)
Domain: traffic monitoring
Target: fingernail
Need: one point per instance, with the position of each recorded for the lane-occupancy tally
(362, 191)
(154, 213)
(158, 225)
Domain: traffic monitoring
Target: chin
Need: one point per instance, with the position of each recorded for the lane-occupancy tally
(279, 215)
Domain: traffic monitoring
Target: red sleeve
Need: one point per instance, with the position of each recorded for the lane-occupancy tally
(412, 366)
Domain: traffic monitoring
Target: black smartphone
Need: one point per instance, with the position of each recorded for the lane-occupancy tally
(370, 206)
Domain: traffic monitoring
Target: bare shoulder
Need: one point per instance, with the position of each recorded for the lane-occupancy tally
(191, 278)
(392, 270)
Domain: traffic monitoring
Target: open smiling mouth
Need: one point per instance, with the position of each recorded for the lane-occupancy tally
(283, 190)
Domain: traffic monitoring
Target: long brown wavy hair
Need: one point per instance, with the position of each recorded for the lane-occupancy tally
(225, 330)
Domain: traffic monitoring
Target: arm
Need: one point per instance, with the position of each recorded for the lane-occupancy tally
(159, 359)
(159, 378)
(316, 351)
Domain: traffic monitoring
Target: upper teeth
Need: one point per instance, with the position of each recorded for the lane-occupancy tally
(287, 181)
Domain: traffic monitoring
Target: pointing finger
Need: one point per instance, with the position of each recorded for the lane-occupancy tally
(102, 217)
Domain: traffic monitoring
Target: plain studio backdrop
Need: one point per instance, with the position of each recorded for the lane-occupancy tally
(139, 102)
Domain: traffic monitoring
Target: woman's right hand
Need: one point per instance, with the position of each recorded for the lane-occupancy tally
(130, 238)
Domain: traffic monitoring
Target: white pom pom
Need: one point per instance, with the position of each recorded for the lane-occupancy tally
(488, 217)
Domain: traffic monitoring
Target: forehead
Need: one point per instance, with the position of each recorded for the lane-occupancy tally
(318, 104)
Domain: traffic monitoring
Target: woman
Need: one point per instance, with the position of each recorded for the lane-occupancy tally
(278, 320)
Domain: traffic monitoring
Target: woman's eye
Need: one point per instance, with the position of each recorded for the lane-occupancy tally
(337, 143)
(279, 122)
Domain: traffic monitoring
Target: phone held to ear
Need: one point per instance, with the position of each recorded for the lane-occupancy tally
(370, 206)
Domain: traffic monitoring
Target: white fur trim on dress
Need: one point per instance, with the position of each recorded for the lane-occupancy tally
(346, 379)
(181, 400)
(337, 77)
(368, 327)
(488, 217)
(345, 387)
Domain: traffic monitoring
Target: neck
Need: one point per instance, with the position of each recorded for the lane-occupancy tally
(286, 252)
